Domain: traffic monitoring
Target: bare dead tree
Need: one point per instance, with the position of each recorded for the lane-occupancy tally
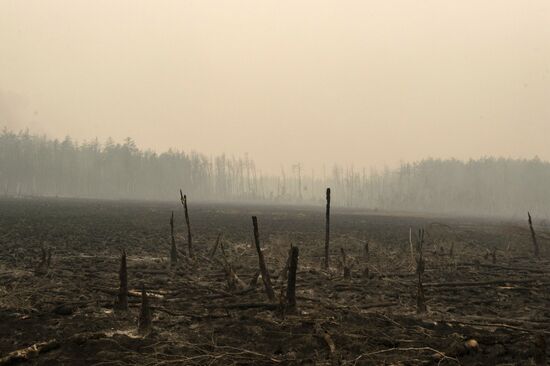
(263, 268)
(173, 249)
(189, 237)
(291, 286)
(533, 236)
(144, 320)
(327, 229)
(420, 266)
(121, 302)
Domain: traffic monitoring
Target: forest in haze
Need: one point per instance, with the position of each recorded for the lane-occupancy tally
(35, 165)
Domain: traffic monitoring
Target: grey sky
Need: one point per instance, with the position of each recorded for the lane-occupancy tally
(355, 82)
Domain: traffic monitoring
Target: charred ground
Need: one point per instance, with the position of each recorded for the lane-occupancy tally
(490, 289)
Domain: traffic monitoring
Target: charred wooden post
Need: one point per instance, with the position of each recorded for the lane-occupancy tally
(420, 300)
(533, 236)
(173, 249)
(367, 258)
(215, 246)
(345, 264)
(291, 286)
(122, 299)
(327, 229)
(263, 268)
(413, 260)
(189, 236)
(144, 320)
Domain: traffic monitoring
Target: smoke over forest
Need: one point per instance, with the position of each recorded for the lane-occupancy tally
(33, 165)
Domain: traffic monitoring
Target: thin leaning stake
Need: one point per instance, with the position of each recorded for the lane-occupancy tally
(215, 246)
(533, 236)
(263, 268)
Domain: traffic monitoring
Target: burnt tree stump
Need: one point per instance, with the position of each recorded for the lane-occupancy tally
(327, 229)
(187, 222)
(291, 286)
(173, 249)
(263, 268)
(144, 320)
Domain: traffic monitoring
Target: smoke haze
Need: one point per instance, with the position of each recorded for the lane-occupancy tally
(319, 82)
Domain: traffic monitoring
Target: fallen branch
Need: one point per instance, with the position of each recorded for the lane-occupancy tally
(28, 353)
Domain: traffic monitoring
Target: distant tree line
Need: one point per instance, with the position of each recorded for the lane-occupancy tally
(36, 165)
(33, 165)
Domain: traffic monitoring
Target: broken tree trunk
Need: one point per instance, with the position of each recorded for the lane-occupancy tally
(291, 286)
(144, 321)
(122, 299)
(263, 268)
(189, 237)
(327, 229)
(533, 236)
(173, 249)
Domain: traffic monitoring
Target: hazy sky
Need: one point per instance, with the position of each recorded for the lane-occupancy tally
(356, 82)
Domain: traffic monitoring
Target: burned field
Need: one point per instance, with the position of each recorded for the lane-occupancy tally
(483, 299)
